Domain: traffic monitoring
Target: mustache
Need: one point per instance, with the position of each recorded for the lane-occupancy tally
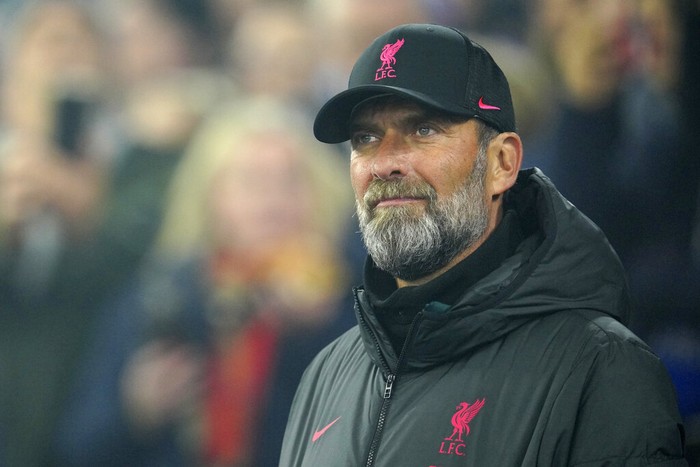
(380, 190)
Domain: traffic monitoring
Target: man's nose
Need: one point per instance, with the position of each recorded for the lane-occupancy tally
(391, 159)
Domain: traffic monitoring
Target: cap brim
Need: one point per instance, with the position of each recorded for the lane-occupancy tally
(332, 123)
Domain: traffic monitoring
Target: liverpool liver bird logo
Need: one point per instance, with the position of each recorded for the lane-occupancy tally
(460, 420)
(387, 55)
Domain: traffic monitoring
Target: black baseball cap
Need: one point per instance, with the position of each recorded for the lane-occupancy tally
(436, 65)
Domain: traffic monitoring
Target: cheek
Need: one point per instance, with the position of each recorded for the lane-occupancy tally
(454, 170)
(360, 177)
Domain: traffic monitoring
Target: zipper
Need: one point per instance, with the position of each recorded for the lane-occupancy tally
(389, 384)
(379, 430)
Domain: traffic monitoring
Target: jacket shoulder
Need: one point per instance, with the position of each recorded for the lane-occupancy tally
(606, 334)
(343, 344)
(616, 376)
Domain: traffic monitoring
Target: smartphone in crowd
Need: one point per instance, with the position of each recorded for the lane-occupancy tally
(72, 119)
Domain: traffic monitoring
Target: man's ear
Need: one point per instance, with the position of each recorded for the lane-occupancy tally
(505, 158)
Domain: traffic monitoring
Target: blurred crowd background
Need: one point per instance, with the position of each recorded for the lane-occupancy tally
(175, 246)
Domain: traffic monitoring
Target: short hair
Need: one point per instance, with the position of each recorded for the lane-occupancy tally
(485, 133)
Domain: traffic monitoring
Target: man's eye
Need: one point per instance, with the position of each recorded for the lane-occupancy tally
(424, 130)
(359, 139)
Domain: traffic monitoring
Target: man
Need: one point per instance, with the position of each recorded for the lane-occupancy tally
(491, 318)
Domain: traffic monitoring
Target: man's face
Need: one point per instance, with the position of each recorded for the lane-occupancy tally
(419, 186)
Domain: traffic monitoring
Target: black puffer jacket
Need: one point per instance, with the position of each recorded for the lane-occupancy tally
(532, 367)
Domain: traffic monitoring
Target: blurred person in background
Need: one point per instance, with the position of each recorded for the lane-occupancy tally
(679, 345)
(53, 179)
(271, 52)
(621, 148)
(52, 164)
(158, 38)
(506, 19)
(227, 12)
(125, 132)
(165, 63)
(197, 363)
(617, 70)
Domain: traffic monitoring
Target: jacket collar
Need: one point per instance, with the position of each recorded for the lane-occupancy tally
(563, 258)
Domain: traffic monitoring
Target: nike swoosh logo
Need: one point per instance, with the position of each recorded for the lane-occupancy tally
(484, 106)
(320, 432)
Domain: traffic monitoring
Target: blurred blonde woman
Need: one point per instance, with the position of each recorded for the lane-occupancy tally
(256, 187)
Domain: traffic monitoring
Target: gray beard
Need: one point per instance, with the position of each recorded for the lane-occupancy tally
(411, 244)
